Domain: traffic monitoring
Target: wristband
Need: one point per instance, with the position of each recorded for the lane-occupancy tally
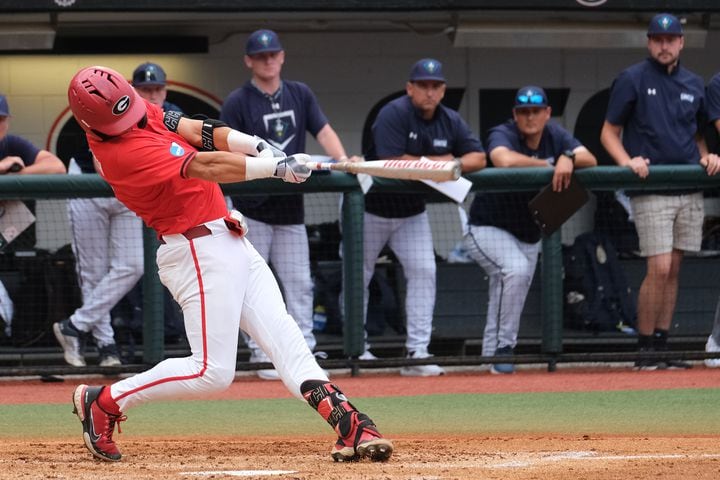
(171, 119)
(256, 167)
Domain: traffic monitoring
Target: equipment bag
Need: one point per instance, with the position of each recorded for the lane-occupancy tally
(597, 295)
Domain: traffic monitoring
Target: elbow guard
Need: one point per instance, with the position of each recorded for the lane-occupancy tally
(239, 142)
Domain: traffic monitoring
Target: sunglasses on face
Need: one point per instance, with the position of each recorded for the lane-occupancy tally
(535, 99)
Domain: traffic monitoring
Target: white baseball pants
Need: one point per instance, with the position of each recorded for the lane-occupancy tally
(222, 285)
(108, 247)
(286, 248)
(510, 265)
(410, 239)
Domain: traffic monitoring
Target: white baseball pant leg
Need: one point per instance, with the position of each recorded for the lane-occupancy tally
(107, 242)
(510, 265)
(411, 240)
(288, 249)
(222, 285)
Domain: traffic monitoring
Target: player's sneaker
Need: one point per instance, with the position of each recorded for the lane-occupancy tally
(503, 368)
(70, 339)
(258, 356)
(359, 438)
(712, 346)
(109, 356)
(98, 425)
(421, 370)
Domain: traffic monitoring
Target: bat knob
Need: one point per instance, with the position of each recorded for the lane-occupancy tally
(457, 169)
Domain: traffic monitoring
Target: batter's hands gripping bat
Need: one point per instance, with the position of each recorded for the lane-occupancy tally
(423, 169)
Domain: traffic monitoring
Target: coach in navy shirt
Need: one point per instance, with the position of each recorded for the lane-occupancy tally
(20, 155)
(413, 126)
(503, 238)
(652, 119)
(280, 111)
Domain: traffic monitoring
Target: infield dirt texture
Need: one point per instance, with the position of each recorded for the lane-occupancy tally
(593, 424)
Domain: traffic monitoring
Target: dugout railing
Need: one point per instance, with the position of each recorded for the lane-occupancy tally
(41, 187)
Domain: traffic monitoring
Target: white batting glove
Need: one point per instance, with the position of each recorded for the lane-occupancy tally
(266, 150)
(292, 169)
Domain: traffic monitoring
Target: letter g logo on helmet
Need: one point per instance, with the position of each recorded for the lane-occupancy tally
(121, 105)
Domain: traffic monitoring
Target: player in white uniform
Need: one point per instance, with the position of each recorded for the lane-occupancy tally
(223, 285)
(108, 248)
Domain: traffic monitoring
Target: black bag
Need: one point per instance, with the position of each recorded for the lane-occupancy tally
(597, 295)
(46, 291)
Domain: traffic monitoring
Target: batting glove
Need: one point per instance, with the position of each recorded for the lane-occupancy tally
(292, 169)
(265, 150)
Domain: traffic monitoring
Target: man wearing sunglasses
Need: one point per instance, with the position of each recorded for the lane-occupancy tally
(503, 238)
(652, 119)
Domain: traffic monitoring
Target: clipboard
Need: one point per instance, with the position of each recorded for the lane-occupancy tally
(551, 209)
(15, 217)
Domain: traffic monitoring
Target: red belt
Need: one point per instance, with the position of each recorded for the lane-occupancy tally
(193, 233)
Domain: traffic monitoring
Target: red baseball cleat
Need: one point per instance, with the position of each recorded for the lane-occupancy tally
(98, 425)
(359, 438)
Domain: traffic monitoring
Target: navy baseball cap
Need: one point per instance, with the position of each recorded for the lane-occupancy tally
(4, 108)
(148, 74)
(427, 69)
(530, 96)
(664, 24)
(261, 41)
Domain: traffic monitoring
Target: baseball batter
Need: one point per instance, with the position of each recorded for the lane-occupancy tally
(165, 168)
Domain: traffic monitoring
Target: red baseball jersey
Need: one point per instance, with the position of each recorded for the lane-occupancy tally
(146, 169)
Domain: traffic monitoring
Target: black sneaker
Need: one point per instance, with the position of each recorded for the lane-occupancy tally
(646, 364)
(674, 365)
(109, 356)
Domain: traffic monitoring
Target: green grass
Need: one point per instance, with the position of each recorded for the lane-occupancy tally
(653, 412)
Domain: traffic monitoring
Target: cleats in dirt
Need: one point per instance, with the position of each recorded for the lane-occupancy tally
(358, 439)
(98, 425)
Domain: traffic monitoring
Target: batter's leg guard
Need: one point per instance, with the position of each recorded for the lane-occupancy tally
(358, 437)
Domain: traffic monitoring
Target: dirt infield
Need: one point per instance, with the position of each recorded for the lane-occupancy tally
(430, 457)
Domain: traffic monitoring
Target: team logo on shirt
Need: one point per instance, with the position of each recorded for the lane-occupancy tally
(121, 105)
(687, 97)
(440, 142)
(652, 91)
(176, 150)
(281, 128)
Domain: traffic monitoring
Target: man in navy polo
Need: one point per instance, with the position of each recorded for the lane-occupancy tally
(413, 126)
(502, 237)
(652, 119)
(280, 111)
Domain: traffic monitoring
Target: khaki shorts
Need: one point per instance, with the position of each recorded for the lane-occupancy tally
(667, 222)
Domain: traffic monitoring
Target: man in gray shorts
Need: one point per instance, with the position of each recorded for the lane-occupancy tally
(652, 119)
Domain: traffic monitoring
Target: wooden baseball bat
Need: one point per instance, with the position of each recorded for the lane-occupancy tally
(438, 171)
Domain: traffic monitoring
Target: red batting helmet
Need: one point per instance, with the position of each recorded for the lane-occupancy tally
(103, 102)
